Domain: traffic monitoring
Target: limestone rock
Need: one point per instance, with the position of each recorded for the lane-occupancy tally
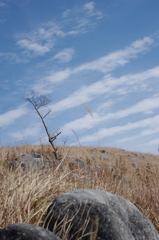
(105, 151)
(79, 162)
(99, 215)
(134, 164)
(24, 231)
(105, 158)
(94, 158)
(33, 162)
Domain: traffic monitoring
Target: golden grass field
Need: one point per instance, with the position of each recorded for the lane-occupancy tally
(25, 198)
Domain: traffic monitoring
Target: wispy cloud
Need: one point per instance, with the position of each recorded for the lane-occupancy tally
(104, 132)
(108, 85)
(41, 40)
(35, 47)
(65, 55)
(117, 58)
(9, 117)
(3, 20)
(90, 8)
(2, 4)
(148, 131)
(140, 107)
(12, 57)
(104, 107)
(31, 131)
(107, 63)
(66, 13)
(152, 142)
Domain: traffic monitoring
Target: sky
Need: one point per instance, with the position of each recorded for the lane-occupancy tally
(98, 62)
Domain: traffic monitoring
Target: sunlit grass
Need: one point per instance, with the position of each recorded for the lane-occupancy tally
(25, 198)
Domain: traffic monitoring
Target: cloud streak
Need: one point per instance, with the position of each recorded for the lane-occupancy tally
(85, 122)
(34, 47)
(2, 4)
(90, 9)
(65, 55)
(104, 132)
(9, 117)
(31, 131)
(104, 64)
(108, 85)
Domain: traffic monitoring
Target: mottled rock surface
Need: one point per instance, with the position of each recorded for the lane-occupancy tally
(33, 162)
(24, 231)
(105, 158)
(109, 216)
(78, 162)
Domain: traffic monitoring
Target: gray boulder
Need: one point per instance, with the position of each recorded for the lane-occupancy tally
(94, 158)
(79, 162)
(94, 151)
(105, 158)
(94, 214)
(110, 168)
(133, 164)
(24, 231)
(105, 151)
(33, 162)
(131, 155)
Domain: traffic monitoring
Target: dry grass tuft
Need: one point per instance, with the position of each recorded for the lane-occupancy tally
(25, 198)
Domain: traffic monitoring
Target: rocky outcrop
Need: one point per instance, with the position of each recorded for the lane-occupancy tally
(24, 231)
(77, 162)
(33, 162)
(94, 214)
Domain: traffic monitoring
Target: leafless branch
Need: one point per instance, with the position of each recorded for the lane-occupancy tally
(43, 101)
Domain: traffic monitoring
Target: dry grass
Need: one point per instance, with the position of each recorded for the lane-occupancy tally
(26, 198)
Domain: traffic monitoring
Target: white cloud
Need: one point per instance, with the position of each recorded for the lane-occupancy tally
(12, 57)
(58, 76)
(9, 117)
(108, 85)
(42, 88)
(28, 132)
(104, 132)
(41, 40)
(152, 142)
(66, 13)
(107, 63)
(2, 4)
(35, 47)
(148, 131)
(118, 58)
(2, 20)
(105, 106)
(65, 55)
(140, 107)
(90, 8)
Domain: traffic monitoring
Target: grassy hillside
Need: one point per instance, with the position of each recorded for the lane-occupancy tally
(25, 198)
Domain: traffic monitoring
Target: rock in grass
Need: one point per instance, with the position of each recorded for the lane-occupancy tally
(105, 151)
(133, 164)
(33, 162)
(105, 158)
(79, 162)
(94, 214)
(24, 231)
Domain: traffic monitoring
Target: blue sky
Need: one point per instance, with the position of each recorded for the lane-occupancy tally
(104, 54)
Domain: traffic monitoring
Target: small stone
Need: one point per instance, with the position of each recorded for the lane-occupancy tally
(133, 164)
(105, 158)
(105, 151)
